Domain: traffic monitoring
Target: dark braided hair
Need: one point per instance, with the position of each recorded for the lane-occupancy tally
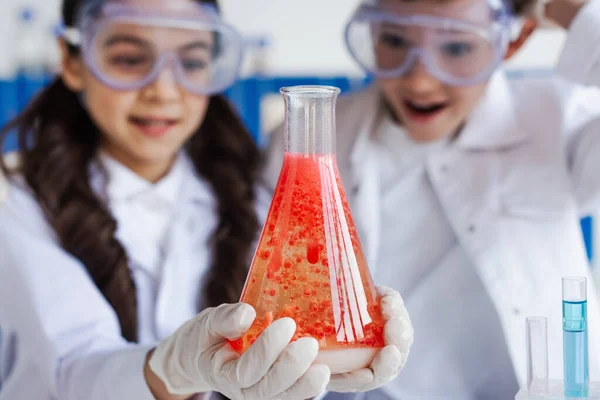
(55, 156)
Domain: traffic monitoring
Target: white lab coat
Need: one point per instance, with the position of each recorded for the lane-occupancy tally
(25, 352)
(60, 337)
(514, 186)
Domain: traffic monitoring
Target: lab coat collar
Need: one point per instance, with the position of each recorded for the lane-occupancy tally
(123, 184)
(195, 189)
(494, 122)
(119, 183)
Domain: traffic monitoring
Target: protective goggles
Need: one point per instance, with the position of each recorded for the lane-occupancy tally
(459, 44)
(127, 47)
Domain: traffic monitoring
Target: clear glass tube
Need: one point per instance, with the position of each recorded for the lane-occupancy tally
(310, 119)
(537, 355)
(574, 288)
(575, 337)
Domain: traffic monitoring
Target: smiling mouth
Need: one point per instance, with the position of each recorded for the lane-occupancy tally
(153, 126)
(152, 121)
(424, 108)
(424, 112)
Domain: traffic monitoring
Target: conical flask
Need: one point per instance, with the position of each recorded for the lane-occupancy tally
(309, 264)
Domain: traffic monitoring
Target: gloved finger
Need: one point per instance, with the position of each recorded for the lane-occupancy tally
(387, 364)
(383, 290)
(351, 381)
(229, 321)
(399, 332)
(313, 382)
(293, 362)
(403, 314)
(249, 369)
(391, 303)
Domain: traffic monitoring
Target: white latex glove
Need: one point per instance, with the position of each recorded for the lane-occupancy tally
(398, 337)
(197, 358)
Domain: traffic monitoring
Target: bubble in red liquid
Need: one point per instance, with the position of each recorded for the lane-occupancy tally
(272, 292)
(275, 263)
(312, 252)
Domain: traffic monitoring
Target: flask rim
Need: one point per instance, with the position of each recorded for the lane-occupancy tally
(312, 91)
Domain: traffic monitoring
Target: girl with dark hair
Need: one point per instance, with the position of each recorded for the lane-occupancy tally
(134, 205)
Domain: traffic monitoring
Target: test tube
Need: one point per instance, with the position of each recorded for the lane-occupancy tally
(575, 337)
(537, 356)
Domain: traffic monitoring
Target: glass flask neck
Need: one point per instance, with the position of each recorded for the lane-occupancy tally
(310, 119)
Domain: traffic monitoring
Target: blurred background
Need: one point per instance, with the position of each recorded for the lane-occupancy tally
(287, 43)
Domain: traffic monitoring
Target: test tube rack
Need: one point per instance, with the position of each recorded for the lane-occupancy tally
(538, 385)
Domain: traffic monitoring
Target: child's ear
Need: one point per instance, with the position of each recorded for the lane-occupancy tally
(528, 26)
(71, 68)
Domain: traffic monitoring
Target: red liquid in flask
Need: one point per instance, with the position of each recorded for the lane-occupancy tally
(309, 264)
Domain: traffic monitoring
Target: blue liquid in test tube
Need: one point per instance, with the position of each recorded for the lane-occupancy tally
(575, 337)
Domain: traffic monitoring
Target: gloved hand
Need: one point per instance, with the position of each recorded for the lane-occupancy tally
(197, 358)
(398, 337)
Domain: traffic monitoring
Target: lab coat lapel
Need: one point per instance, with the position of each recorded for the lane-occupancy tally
(367, 210)
(180, 269)
(465, 176)
(364, 176)
(494, 124)
(171, 308)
